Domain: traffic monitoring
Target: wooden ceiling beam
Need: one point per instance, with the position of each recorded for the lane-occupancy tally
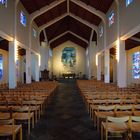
(59, 36)
(68, 6)
(71, 15)
(52, 22)
(45, 9)
(92, 26)
(135, 39)
(90, 9)
(76, 35)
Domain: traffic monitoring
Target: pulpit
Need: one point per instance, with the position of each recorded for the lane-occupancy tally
(44, 75)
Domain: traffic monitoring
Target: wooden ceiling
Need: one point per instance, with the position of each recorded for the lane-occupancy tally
(137, 35)
(4, 44)
(67, 23)
(33, 5)
(51, 14)
(130, 43)
(80, 12)
(68, 37)
(101, 5)
(133, 41)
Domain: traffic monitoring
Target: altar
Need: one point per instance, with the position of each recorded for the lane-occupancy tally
(69, 75)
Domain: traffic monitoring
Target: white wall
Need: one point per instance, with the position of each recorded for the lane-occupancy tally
(112, 30)
(22, 31)
(80, 58)
(5, 66)
(129, 16)
(7, 18)
(130, 78)
(34, 45)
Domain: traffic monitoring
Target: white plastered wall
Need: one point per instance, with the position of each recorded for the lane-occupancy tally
(7, 18)
(22, 31)
(34, 40)
(112, 30)
(129, 16)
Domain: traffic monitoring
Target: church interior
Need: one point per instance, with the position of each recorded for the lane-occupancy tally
(69, 70)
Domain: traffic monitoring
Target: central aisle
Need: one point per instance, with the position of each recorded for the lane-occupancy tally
(65, 118)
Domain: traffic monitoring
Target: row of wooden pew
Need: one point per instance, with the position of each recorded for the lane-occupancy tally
(23, 104)
(111, 108)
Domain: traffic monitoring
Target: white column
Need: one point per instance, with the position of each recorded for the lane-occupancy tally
(121, 65)
(28, 66)
(93, 50)
(47, 56)
(89, 67)
(87, 63)
(98, 67)
(105, 34)
(44, 53)
(107, 66)
(89, 55)
(12, 65)
(36, 67)
(50, 62)
(47, 50)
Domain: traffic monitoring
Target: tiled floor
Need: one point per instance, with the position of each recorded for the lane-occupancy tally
(65, 117)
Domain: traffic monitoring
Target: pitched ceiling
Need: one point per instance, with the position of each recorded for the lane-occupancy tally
(51, 14)
(34, 5)
(67, 37)
(101, 5)
(67, 23)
